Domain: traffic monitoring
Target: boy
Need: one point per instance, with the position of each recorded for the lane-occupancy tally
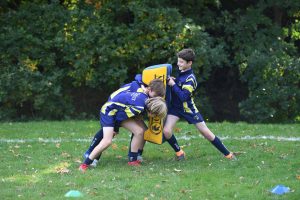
(155, 88)
(121, 109)
(183, 106)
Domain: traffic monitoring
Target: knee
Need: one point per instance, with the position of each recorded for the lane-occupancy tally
(167, 132)
(107, 143)
(139, 132)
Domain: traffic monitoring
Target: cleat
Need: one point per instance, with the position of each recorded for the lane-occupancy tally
(231, 156)
(83, 167)
(180, 155)
(134, 163)
(94, 163)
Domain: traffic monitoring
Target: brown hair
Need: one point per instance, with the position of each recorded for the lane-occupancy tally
(157, 86)
(186, 54)
(156, 106)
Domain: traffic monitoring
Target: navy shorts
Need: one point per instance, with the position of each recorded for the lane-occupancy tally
(191, 118)
(110, 121)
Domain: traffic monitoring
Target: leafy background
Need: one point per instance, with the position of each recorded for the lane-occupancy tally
(61, 59)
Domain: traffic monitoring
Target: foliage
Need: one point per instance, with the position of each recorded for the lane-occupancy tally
(62, 59)
(31, 74)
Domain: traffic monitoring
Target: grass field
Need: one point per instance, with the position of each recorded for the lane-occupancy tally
(39, 160)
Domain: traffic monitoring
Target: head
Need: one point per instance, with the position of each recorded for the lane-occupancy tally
(156, 88)
(157, 107)
(185, 59)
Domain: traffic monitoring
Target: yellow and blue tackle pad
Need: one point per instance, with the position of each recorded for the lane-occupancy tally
(154, 133)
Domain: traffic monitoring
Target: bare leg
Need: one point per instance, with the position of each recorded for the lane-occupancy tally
(135, 127)
(170, 137)
(204, 130)
(169, 126)
(108, 134)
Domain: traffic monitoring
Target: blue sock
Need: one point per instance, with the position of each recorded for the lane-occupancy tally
(220, 146)
(88, 161)
(140, 152)
(129, 149)
(96, 140)
(174, 144)
(132, 156)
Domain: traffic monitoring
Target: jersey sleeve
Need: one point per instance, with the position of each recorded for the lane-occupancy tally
(188, 87)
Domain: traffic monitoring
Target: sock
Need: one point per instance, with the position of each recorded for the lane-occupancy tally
(96, 140)
(98, 157)
(220, 146)
(88, 161)
(129, 148)
(174, 144)
(133, 156)
(140, 152)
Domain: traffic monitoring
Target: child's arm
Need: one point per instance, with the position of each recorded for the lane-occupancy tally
(185, 92)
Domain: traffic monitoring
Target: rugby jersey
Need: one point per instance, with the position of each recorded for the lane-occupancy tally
(134, 86)
(182, 92)
(125, 105)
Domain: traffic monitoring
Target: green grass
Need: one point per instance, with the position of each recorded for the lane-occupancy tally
(36, 169)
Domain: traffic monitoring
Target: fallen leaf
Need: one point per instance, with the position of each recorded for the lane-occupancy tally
(114, 146)
(177, 130)
(298, 177)
(124, 148)
(57, 145)
(62, 170)
(185, 191)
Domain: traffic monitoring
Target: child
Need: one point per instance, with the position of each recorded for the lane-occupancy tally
(183, 106)
(155, 88)
(120, 109)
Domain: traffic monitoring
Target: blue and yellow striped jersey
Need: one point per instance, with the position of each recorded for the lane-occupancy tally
(134, 86)
(124, 105)
(182, 92)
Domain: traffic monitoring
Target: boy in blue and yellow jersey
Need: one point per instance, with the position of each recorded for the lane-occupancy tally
(183, 106)
(120, 109)
(154, 89)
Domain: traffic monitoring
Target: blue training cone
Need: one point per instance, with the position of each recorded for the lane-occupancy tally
(280, 189)
(73, 193)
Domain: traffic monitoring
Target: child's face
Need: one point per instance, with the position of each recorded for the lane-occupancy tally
(183, 64)
(151, 93)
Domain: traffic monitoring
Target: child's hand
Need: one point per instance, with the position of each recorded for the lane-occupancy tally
(171, 81)
(146, 90)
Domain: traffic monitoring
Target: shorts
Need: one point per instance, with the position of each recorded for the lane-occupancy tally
(191, 118)
(110, 121)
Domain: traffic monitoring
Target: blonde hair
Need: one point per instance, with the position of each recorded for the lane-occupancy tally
(157, 86)
(157, 107)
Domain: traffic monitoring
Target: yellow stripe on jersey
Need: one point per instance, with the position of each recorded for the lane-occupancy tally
(140, 90)
(194, 106)
(112, 112)
(192, 78)
(188, 88)
(118, 91)
(186, 108)
(103, 109)
(127, 110)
